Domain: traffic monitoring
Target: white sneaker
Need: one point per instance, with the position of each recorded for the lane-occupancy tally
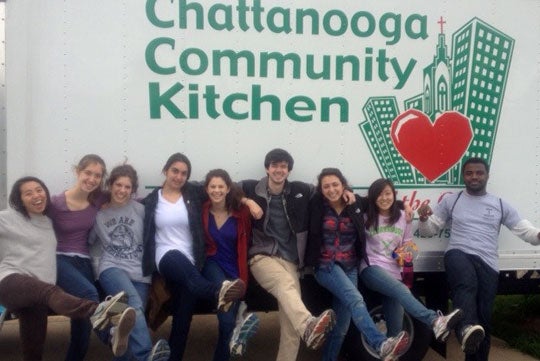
(394, 347)
(444, 324)
(230, 291)
(120, 332)
(160, 351)
(112, 305)
(246, 326)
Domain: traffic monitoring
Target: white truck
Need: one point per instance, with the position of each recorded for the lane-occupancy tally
(398, 89)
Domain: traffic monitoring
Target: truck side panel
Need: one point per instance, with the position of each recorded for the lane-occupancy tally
(332, 82)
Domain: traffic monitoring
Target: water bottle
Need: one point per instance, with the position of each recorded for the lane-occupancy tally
(407, 274)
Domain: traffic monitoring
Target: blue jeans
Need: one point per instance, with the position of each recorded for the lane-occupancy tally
(393, 316)
(75, 276)
(397, 296)
(349, 301)
(114, 280)
(473, 287)
(186, 285)
(227, 320)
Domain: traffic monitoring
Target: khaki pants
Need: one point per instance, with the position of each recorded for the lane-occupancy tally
(280, 278)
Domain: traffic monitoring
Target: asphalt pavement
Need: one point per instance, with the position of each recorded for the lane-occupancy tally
(203, 335)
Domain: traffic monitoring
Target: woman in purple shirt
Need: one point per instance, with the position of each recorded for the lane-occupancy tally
(73, 213)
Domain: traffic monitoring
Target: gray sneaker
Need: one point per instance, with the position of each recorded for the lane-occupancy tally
(160, 351)
(444, 324)
(112, 305)
(471, 337)
(317, 329)
(120, 332)
(246, 326)
(394, 347)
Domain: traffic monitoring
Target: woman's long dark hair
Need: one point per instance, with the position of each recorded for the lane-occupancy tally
(15, 196)
(234, 197)
(374, 191)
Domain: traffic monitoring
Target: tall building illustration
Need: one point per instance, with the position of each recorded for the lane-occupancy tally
(382, 111)
(471, 81)
(481, 56)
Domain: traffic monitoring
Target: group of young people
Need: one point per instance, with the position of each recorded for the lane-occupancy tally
(325, 227)
(202, 238)
(48, 245)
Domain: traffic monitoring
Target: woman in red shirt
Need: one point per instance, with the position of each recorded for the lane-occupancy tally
(227, 230)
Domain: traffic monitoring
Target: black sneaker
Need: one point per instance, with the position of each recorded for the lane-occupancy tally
(471, 337)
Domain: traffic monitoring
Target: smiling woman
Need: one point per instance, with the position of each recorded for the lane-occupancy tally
(118, 231)
(28, 270)
(174, 245)
(336, 247)
(73, 213)
(34, 198)
(227, 228)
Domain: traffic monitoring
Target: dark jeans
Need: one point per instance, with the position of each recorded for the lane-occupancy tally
(186, 284)
(473, 287)
(227, 320)
(75, 276)
(31, 299)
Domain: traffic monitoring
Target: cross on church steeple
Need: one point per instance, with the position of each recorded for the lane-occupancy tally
(441, 22)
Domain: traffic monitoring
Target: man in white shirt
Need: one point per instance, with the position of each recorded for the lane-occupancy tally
(471, 258)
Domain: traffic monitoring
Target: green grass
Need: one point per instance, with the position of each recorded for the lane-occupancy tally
(516, 320)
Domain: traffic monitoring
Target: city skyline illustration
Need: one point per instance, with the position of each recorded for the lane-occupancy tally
(471, 81)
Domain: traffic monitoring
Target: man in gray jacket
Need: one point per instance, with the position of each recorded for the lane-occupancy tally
(277, 251)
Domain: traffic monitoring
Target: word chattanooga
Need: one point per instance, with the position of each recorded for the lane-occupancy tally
(236, 93)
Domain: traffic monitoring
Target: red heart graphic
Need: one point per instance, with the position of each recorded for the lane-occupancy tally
(432, 148)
